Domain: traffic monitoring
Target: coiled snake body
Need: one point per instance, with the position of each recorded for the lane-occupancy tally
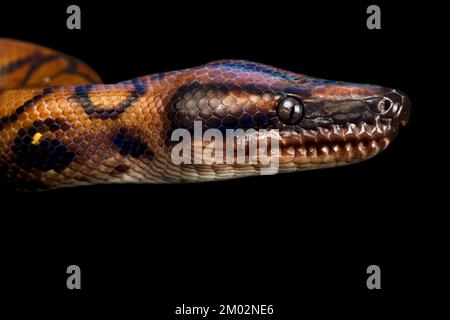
(59, 126)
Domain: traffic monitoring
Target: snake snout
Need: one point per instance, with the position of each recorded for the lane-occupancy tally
(395, 105)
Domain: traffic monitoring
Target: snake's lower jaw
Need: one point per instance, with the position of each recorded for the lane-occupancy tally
(332, 154)
(338, 145)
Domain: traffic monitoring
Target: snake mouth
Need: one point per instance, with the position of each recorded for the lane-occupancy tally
(337, 144)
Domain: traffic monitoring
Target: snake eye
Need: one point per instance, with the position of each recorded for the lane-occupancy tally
(290, 110)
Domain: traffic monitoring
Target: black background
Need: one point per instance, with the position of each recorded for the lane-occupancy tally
(300, 241)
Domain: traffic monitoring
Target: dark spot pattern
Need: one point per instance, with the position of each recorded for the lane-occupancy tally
(122, 168)
(46, 154)
(129, 145)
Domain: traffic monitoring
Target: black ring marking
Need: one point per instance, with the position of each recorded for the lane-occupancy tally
(82, 95)
(36, 63)
(45, 155)
(12, 118)
(13, 66)
(71, 67)
(36, 60)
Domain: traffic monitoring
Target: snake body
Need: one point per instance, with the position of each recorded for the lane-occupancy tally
(60, 127)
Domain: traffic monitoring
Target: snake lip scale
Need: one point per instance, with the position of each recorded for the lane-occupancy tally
(61, 127)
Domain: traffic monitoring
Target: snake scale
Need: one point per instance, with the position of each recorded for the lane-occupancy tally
(60, 126)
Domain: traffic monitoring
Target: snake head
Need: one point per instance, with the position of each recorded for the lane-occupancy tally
(320, 123)
(331, 123)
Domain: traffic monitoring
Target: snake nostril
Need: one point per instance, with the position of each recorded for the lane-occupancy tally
(396, 105)
(385, 105)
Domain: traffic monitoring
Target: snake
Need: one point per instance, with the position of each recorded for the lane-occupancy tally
(61, 126)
